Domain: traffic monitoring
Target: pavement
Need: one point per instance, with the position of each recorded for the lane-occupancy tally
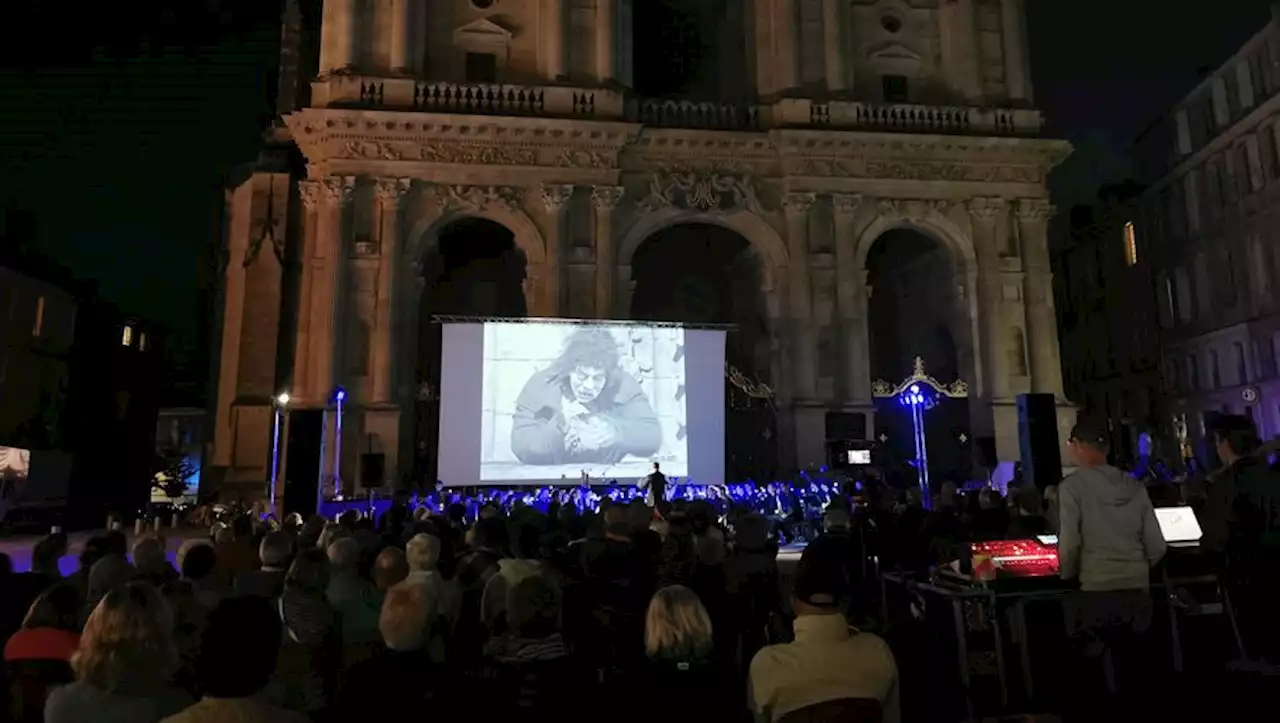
(18, 547)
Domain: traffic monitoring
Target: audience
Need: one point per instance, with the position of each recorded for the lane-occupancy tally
(275, 551)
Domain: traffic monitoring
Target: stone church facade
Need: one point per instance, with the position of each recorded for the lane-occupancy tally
(866, 116)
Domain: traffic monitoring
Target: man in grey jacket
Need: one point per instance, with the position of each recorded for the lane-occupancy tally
(1109, 540)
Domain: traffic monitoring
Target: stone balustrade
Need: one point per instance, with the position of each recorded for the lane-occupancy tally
(601, 104)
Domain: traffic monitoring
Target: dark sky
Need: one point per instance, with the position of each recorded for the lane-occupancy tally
(119, 131)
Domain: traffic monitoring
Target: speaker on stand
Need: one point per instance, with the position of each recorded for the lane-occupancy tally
(1038, 439)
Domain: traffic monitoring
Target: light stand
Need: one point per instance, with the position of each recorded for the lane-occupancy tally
(917, 403)
(339, 396)
(281, 403)
(919, 393)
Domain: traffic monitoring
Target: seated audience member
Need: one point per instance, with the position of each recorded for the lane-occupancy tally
(150, 563)
(423, 555)
(198, 564)
(355, 599)
(238, 650)
(404, 674)
(237, 553)
(311, 644)
(44, 573)
(829, 661)
(107, 574)
(680, 648)
(124, 664)
(38, 657)
(511, 570)
(267, 582)
(390, 568)
(95, 548)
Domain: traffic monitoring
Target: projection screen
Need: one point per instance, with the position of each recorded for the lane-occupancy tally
(536, 402)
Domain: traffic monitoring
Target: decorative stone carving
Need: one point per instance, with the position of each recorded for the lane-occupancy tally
(585, 159)
(845, 203)
(364, 248)
(918, 170)
(472, 198)
(556, 195)
(338, 190)
(439, 153)
(911, 209)
(310, 192)
(798, 203)
(701, 191)
(1033, 209)
(985, 208)
(604, 198)
(390, 192)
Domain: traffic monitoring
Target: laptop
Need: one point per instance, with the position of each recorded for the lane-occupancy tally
(1179, 526)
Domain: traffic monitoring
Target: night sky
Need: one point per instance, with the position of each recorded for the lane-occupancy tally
(117, 134)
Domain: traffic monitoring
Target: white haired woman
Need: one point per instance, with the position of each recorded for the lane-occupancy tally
(679, 645)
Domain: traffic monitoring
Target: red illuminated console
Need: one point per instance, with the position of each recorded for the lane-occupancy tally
(1014, 558)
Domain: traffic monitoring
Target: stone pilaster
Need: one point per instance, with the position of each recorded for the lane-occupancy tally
(606, 53)
(1042, 327)
(850, 309)
(312, 196)
(797, 207)
(326, 299)
(833, 45)
(337, 36)
(604, 199)
(400, 41)
(957, 31)
(1015, 52)
(549, 290)
(390, 194)
(987, 214)
(553, 37)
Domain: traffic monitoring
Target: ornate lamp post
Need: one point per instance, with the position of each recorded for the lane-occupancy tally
(919, 393)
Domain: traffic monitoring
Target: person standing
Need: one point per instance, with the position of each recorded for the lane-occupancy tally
(655, 486)
(1108, 540)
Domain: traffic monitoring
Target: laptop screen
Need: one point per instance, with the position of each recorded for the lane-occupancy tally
(1178, 524)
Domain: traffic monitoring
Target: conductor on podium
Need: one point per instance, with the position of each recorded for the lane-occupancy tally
(655, 486)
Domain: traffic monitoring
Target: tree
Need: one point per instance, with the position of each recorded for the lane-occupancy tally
(172, 470)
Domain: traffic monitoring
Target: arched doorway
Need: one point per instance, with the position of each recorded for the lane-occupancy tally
(700, 273)
(474, 268)
(918, 309)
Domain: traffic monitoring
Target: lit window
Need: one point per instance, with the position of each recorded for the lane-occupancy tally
(1130, 244)
(142, 341)
(126, 339)
(39, 323)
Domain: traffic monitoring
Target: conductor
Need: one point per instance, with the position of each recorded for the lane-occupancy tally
(655, 485)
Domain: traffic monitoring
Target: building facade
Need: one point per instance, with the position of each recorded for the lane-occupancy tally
(862, 119)
(1207, 227)
(37, 332)
(1107, 318)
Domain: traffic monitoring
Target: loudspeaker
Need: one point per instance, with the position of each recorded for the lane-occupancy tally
(302, 472)
(373, 467)
(987, 452)
(1038, 439)
(842, 426)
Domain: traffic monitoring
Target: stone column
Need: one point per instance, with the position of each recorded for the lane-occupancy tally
(329, 266)
(553, 38)
(786, 49)
(400, 47)
(337, 36)
(555, 197)
(957, 31)
(391, 193)
(849, 285)
(986, 213)
(1015, 63)
(312, 195)
(604, 199)
(797, 206)
(606, 53)
(1042, 326)
(832, 35)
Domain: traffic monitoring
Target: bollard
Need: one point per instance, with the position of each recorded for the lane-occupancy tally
(173, 521)
(156, 523)
(137, 526)
(111, 520)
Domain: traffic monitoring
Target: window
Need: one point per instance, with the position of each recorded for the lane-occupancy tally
(895, 88)
(126, 338)
(1242, 370)
(1130, 245)
(1215, 375)
(1267, 149)
(482, 68)
(38, 326)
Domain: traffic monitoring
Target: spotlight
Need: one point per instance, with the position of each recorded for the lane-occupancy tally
(283, 399)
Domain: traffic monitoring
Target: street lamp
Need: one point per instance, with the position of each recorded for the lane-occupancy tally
(339, 396)
(281, 402)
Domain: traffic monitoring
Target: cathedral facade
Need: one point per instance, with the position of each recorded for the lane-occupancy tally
(812, 130)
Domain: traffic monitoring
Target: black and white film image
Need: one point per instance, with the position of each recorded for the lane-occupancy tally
(563, 399)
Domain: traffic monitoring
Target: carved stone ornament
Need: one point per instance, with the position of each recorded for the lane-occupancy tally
(845, 203)
(912, 209)
(701, 191)
(1033, 209)
(471, 198)
(985, 208)
(438, 153)
(311, 194)
(338, 190)
(585, 159)
(390, 192)
(909, 170)
(556, 195)
(604, 198)
(267, 230)
(798, 203)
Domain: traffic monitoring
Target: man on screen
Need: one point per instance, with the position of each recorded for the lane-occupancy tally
(584, 408)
